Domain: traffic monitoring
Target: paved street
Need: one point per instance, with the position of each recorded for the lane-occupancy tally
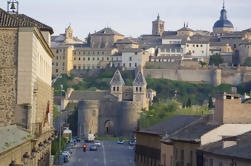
(109, 154)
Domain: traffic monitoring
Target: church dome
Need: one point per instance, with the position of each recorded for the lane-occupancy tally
(223, 22)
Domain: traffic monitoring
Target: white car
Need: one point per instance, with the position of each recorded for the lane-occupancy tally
(97, 143)
(120, 141)
(66, 153)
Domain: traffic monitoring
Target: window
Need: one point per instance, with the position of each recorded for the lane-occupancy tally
(63, 57)
(182, 157)
(79, 59)
(188, 45)
(136, 89)
(202, 52)
(52, 63)
(56, 70)
(114, 88)
(201, 45)
(98, 59)
(130, 58)
(88, 58)
(84, 59)
(57, 57)
(57, 51)
(135, 53)
(102, 58)
(135, 64)
(93, 58)
(63, 64)
(56, 63)
(74, 67)
(140, 89)
(193, 45)
(117, 88)
(211, 162)
(74, 59)
(197, 45)
(130, 64)
(107, 58)
(79, 68)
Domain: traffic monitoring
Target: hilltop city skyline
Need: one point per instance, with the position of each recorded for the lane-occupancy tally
(134, 20)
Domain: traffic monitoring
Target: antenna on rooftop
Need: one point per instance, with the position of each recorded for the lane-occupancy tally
(12, 6)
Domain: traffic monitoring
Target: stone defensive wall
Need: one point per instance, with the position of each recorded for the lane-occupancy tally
(130, 113)
(207, 76)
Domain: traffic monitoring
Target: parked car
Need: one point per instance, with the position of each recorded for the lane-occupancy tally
(132, 143)
(93, 147)
(120, 141)
(67, 153)
(97, 143)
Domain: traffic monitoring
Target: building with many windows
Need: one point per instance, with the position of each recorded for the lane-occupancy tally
(26, 95)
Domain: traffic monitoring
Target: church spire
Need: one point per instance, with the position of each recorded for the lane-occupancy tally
(158, 17)
(223, 7)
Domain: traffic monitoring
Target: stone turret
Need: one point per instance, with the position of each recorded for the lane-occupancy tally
(68, 35)
(116, 85)
(139, 89)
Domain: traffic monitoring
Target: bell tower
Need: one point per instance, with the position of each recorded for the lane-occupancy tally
(116, 85)
(139, 90)
(68, 34)
(158, 26)
(12, 6)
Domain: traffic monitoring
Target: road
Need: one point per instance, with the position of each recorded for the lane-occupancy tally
(109, 154)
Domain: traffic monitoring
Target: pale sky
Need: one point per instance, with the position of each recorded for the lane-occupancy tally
(133, 17)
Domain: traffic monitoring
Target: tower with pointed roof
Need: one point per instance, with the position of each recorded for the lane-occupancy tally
(116, 85)
(223, 24)
(158, 26)
(139, 89)
(68, 34)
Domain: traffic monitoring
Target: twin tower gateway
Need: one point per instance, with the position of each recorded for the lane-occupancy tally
(114, 112)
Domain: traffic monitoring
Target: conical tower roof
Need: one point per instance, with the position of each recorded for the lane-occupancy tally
(117, 79)
(140, 79)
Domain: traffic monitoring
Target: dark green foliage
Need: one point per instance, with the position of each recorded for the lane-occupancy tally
(55, 146)
(244, 87)
(215, 60)
(210, 103)
(248, 62)
(161, 111)
(203, 64)
(197, 93)
(189, 103)
(73, 121)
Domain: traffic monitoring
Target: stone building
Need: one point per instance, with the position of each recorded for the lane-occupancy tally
(63, 61)
(105, 38)
(148, 145)
(111, 113)
(26, 95)
(95, 58)
(158, 26)
(233, 151)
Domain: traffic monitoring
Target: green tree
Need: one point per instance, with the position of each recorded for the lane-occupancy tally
(203, 64)
(216, 60)
(56, 112)
(210, 103)
(247, 62)
(189, 102)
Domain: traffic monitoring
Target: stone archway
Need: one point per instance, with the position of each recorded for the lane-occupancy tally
(109, 127)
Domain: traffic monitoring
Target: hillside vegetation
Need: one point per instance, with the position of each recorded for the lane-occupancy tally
(166, 89)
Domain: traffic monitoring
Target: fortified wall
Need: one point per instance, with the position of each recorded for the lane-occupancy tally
(207, 76)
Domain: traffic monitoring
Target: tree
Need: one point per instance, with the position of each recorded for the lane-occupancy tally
(189, 103)
(247, 62)
(203, 64)
(216, 60)
(210, 103)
